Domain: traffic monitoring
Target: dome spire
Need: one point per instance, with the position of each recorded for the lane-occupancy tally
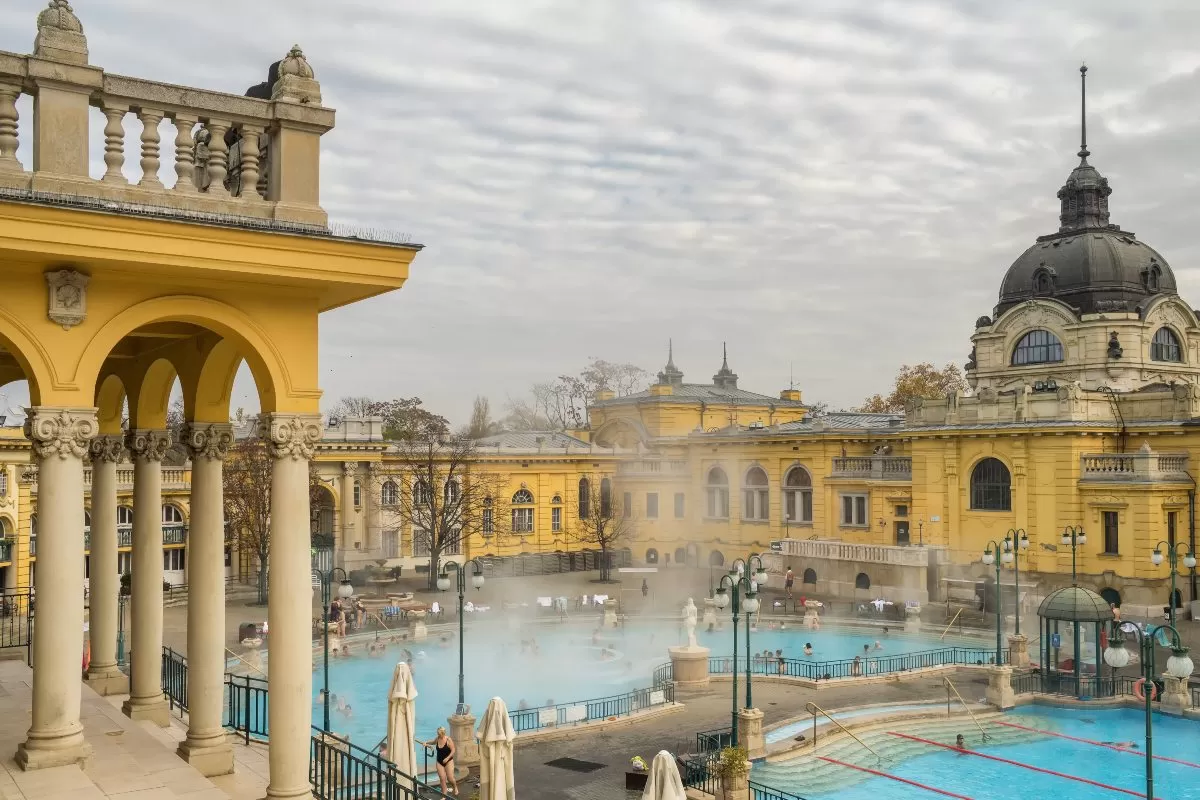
(1083, 151)
(725, 377)
(1083, 198)
(671, 374)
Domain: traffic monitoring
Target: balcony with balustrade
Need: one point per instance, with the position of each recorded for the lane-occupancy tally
(873, 468)
(1144, 466)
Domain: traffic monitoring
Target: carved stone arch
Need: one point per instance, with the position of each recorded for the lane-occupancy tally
(1041, 313)
(1171, 311)
(622, 432)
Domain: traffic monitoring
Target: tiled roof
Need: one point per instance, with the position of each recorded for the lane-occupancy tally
(688, 392)
(533, 440)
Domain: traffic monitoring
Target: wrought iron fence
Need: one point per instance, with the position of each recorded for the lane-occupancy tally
(16, 620)
(856, 667)
(174, 679)
(339, 770)
(1064, 684)
(620, 705)
(699, 772)
(713, 741)
(246, 707)
(664, 674)
(1196, 697)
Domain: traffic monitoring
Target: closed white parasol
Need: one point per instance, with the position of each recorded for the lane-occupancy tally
(402, 720)
(664, 782)
(496, 736)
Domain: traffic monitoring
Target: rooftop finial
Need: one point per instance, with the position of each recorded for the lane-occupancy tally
(724, 356)
(1083, 151)
(725, 377)
(671, 375)
(670, 352)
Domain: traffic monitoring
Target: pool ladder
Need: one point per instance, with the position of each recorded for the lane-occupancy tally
(950, 687)
(814, 709)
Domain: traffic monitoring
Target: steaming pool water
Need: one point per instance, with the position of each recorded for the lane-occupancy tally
(568, 666)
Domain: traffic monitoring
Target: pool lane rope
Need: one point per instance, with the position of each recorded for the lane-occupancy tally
(1009, 761)
(890, 776)
(1116, 747)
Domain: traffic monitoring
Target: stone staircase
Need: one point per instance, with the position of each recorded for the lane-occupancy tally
(807, 775)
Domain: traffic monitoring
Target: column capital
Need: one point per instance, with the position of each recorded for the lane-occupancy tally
(107, 447)
(64, 432)
(148, 444)
(349, 468)
(210, 440)
(290, 435)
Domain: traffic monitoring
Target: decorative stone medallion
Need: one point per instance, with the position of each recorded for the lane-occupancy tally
(67, 294)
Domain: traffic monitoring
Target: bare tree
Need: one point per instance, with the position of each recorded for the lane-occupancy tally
(481, 423)
(597, 526)
(355, 406)
(565, 401)
(439, 496)
(247, 485)
(526, 415)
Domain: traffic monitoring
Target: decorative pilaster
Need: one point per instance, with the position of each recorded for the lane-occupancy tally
(114, 143)
(290, 439)
(206, 747)
(150, 150)
(103, 675)
(146, 701)
(218, 155)
(373, 530)
(185, 158)
(60, 438)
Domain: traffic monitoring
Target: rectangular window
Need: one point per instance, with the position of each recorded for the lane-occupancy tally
(1171, 522)
(652, 505)
(420, 543)
(754, 504)
(453, 544)
(173, 560)
(124, 562)
(556, 519)
(901, 511)
(854, 511)
(1111, 531)
(228, 557)
(522, 520)
(627, 503)
(798, 505)
(391, 544)
(679, 505)
(489, 522)
(718, 502)
(357, 494)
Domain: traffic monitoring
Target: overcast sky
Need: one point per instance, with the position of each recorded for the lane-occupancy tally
(834, 187)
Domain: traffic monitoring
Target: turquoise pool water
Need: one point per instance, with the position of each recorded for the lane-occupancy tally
(568, 666)
(977, 778)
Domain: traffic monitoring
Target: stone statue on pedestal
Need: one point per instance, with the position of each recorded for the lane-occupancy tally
(689, 622)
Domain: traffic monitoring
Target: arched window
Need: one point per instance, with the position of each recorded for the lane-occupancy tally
(5, 529)
(605, 498)
(1042, 282)
(124, 515)
(556, 500)
(585, 498)
(717, 491)
(797, 495)
(991, 486)
(810, 576)
(716, 559)
(680, 556)
(389, 495)
(422, 494)
(171, 515)
(651, 556)
(1151, 278)
(1037, 347)
(755, 495)
(522, 512)
(1165, 346)
(862, 581)
(33, 525)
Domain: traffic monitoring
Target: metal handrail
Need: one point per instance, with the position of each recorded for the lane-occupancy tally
(951, 625)
(951, 687)
(813, 708)
(242, 659)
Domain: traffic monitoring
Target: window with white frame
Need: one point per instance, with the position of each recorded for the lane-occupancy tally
(3, 482)
(124, 562)
(171, 515)
(522, 512)
(422, 493)
(174, 559)
(391, 543)
(389, 495)
(556, 519)
(854, 511)
(717, 492)
(450, 493)
(755, 495)
(124, 515)
(489, 521)
(797, 496)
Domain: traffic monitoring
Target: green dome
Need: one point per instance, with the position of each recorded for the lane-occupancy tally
(1076, 604)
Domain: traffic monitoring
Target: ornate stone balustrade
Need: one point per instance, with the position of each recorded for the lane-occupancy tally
(1145, 466)
(861, 553)
(233, 156)
(876, 468)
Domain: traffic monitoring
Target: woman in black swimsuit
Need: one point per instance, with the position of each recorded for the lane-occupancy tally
(445, 761)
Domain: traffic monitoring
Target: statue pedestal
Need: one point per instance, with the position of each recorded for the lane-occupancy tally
(1175, 697)
(1018, 651)
(709, 620)
(610, 614)
(812, 620)
(689, 667)
(465, 744)
(750, 732)
(418, 629)
(912, 619)
(1000, 692)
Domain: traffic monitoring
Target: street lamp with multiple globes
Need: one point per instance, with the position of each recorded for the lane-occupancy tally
(1179, 665)
(443, 583)
(1189, 561)
(1016, 541)
(752, 566)
(1074, 537)
(744, 598)
(345, 591)
(989, 558)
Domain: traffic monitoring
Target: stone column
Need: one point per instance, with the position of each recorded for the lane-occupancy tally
(60, 439)
(373, 529)
(103, 674)
(289, 666)
(750, 732)
(467, 755)
(999, 691)
(1018, 651)
(206, 747)
(146, 700)
(350, 538)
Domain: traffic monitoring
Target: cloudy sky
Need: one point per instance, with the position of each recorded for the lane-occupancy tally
(835, 187)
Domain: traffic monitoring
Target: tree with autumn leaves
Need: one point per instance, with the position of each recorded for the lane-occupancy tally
(912, 381)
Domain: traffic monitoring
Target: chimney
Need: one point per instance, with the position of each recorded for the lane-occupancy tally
(790, 394)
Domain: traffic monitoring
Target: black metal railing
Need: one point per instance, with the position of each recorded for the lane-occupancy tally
(16, 620)
(713, 741)
(664, 674)
(700, 772)
(246, 707)
(619, 705)
(857, 667)
(1063, 683)
(339, 770)
(1196, 697)
(175, 679)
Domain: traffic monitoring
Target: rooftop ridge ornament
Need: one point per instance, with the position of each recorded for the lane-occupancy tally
(297, 82)
(60, 34)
